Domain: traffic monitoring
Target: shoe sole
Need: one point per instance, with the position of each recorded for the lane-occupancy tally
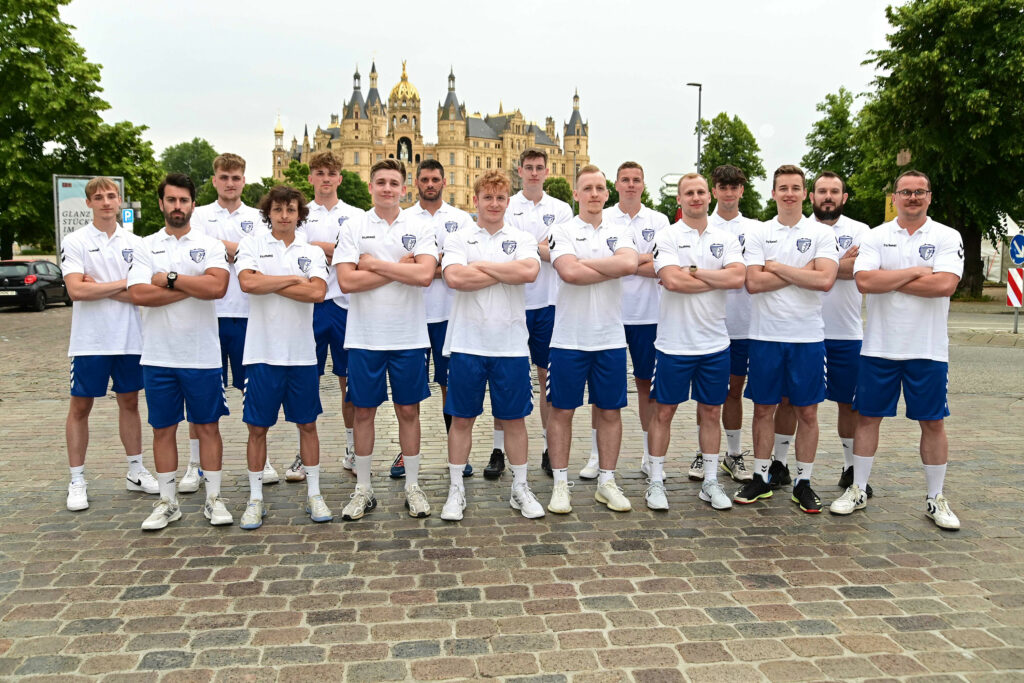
(173, 518)
(319, 520)
(220, 522)
(451, 518)
(707, 499)
(941, 526)
(79, 507)
(601, 499)
(810, 511)
(748, 501)
(843, 514)
(369, 506)
(250, 527)
(655, 507)
(516, 506)
(559, 512)
(294, 477)
(695, 477)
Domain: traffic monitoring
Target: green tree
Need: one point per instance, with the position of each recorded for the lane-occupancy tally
(253, 193)
(729, 141)
(559, 189)
(297, 176)
(613, 194)
(668, 203)
(353, 191)
(950, 91)
(193, 158)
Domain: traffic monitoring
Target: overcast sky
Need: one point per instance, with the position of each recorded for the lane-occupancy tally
(223, 70)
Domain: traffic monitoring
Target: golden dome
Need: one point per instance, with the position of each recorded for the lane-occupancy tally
(279, 129)
(404, 90)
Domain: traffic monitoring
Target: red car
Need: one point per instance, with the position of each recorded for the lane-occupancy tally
(32, 284)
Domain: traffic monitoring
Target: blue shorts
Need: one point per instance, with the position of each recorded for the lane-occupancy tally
(707, 374)
(739, 355)
(171, 391)
(540, 322)
(90, 375)
(268, 387)
(509, 380)
(329, 321)
(370, 371)
(436, 332)
(602, 372)
(793, 370)
(640, 342)
(924, 384)
(232, 345)
(842, 358)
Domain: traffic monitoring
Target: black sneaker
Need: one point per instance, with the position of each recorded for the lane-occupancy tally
(496, 466)
(755, 489)
(778, 475)
(846, 481)
(806, 498)
(545, 463)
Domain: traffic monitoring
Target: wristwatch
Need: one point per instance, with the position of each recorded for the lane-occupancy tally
(172, 277)
(693, 269)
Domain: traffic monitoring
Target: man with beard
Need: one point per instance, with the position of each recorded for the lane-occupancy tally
(176, 276)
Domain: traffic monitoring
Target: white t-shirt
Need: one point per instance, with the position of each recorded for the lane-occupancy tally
(104, 327)
(639, 294)
(217, 222)
(391, 317)
(737, 301)
(589, 317)
(183, 334)
(489, 321)
(903, 326)
(538, 220)
(841, 306)
(324, 225)
(280, 330)
(790, 314)
(694, 324)
(447, 220)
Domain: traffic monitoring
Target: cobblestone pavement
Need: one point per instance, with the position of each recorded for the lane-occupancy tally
(759, 593)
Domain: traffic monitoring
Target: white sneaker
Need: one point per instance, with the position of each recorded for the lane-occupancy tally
(349, 460)
(78, 497)
(523, 500)
(416, 501)
(611, 495)
(317, 509)
(697, 467)
(192, 479)
(142, 481)
(937, 509)
(655, 495)
(253, 516)
(712, 492)
(295, 471)
(270, 474)
(361, 503)
(164, 512)
(591, 469)
(645, 468)
(454, 506)
(560, 503)
(852, 499)
(217, 512)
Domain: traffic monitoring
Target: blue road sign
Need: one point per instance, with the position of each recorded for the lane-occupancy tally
(1017, 249)
(127, 215)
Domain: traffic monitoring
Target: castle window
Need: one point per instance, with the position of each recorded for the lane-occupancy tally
(414, 121)
(394, 121)
(357, 126)
(451, 159)
(405, 119)
(488, 162)
(451, 126)
(499, 163)
(477, 162)
(451, 198)
(355, 158)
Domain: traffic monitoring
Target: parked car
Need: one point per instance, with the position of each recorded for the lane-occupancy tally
(33, 284)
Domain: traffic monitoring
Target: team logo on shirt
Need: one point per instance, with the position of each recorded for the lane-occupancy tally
(508, 246)
(845, 241)
(717, 250)
(926, 251)
(549, 218)
(409, 242)
(342, 219)
(197, 254)
(612, 241)
(647, 234)
(304, 263)
(742, 239)
(246, 226)
(126, 254)
(451, 226)
(803, 244)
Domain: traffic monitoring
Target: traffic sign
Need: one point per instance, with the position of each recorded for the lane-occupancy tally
(1017, 249)
(127, 215)
(1014, 285)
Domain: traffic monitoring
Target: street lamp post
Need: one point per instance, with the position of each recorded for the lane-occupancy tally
(700, 92)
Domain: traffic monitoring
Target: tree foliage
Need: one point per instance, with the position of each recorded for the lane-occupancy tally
(354, 191)
(668, 203)
(729, 141)
(193, 158)
(559, 189)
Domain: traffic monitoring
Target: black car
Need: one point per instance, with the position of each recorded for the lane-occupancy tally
(32, 283)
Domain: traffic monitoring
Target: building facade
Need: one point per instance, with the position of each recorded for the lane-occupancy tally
(369, 130)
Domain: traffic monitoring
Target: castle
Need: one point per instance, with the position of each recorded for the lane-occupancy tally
(368, 130)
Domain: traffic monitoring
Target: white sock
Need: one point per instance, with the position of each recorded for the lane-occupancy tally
(761, 467)
(255, 485)
(350, 441)
(593, 443)
(193, 451)
(364, 463)
(862, 471)
(455, 474)
(935, 475)
(604, 476)
(733, 441)
(803, 471)
(518, 474)
(212, 480)
(647, 447)
(312, 480)
(412, 470)
(134, 464)
(499, 439)
(710, 466)
(781, 451)
(78, 474)
(560, 474)
(544, 433)
(657, 468)
(847, 453)
(168, 486)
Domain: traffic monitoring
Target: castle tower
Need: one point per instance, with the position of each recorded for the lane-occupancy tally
(375, 109)
(405, 142)
(279, 160)
(575, 136)
(355, 145)
(451, 143)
